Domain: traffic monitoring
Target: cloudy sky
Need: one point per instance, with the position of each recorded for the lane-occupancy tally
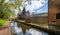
(36, 6)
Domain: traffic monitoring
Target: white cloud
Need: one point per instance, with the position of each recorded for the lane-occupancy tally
(6, 0)
(34, 5)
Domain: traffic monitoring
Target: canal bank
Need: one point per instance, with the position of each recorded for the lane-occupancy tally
(22, 29)
(44, 28)
(6, 29)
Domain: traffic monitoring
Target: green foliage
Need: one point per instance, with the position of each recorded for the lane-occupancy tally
(2, 21)
(5, 11)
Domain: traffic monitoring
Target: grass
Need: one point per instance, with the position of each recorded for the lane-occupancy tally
(2, 22)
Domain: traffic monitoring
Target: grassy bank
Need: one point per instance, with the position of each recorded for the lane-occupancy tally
(2, 22)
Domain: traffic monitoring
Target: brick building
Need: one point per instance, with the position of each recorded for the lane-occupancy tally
(41, 18)
(54, 9)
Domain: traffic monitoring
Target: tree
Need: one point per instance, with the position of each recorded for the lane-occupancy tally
(16, 4)
(5, 11)
(5, 7)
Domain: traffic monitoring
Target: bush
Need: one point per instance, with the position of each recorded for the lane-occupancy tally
(2, 21)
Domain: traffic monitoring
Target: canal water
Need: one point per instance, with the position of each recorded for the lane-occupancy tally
(21, 29)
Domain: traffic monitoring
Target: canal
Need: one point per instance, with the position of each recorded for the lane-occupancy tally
(22, 29)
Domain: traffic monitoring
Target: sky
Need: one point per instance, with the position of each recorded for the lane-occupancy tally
(36, 6)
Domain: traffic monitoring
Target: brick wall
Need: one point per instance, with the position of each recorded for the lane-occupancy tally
(53, 10)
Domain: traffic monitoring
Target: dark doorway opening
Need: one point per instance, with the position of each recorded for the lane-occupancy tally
(58, 16)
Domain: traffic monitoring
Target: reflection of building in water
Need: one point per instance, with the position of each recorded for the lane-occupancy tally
(19, 30)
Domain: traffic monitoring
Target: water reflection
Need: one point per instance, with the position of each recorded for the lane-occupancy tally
(36, 32)
(19, 31)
